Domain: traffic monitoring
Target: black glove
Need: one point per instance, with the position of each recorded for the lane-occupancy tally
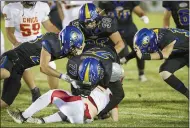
(102, 116)
(84, 89)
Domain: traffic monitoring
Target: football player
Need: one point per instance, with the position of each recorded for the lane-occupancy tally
(73, 109)
(23, 23)
(171, 44)
(122, 11)
(179, 10)
(110, 76)
(99, 31)
(28, 54)
(87, 70)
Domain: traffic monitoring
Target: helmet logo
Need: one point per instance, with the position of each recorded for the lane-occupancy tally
(145, 41)
(86, 77)
(74, 36)
(87, 12)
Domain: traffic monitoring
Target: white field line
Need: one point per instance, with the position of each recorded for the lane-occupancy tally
(153, 115)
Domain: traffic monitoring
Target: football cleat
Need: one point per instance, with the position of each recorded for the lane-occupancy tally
(35, 120)
(17, 116)
(142, 78)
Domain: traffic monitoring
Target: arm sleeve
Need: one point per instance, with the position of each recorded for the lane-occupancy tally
(46, 9)
(8, 16)
(52, 45)
(166, 5)
(117, 95)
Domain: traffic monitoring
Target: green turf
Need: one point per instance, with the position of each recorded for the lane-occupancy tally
(149, 104)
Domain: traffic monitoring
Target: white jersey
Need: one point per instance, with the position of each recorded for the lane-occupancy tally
(101, 97)
(2, 44)
(27, 21)
(73, 12)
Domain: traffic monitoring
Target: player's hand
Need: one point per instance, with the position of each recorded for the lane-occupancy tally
(138, 52)
(104, 116)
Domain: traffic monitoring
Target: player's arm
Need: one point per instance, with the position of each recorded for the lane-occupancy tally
(10, 35)
(115, 114)
(167, 14)
(164, 54)
(45, 58)
(60, 10)
(140, 13)
(9, 25)
(166, 19)
(50, 27)
(46, 22)
(117, 95)
(118, 41)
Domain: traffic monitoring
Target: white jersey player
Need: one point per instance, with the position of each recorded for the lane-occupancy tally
(23, 21)
(74, 109)
(27, 21)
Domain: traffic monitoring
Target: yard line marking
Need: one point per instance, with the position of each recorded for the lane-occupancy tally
(155, 115)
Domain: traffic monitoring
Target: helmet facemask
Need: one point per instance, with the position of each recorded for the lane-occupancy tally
(28, 4)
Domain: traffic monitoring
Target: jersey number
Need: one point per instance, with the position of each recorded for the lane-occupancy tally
(29, 29)
(124, 14)
(183, 16)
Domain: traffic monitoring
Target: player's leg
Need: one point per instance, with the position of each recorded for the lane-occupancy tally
(70, 106)
(124, 52)
(53, 81)
(140, 63)
(56, 117)
(11, 87)
(4, 73)
(42, 102)
(5, 67)
(29, 80)
(167, 70)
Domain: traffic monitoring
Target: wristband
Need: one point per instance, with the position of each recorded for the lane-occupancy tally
(146, 56)
(160, 54)
(60, 76)
(65, 77)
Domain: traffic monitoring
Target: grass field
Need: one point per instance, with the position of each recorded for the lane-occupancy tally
(149, 104)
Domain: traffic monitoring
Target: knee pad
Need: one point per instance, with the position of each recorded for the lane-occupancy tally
(52, 64)
(165, 74)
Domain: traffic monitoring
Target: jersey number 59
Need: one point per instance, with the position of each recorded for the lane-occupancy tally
(29, 29)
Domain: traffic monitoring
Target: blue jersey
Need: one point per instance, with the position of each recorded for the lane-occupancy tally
(179, 11)
(167, 36)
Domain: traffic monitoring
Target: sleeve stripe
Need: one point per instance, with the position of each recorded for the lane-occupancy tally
(46, 46)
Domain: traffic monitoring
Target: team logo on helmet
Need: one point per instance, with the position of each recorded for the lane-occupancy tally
(145, 41)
